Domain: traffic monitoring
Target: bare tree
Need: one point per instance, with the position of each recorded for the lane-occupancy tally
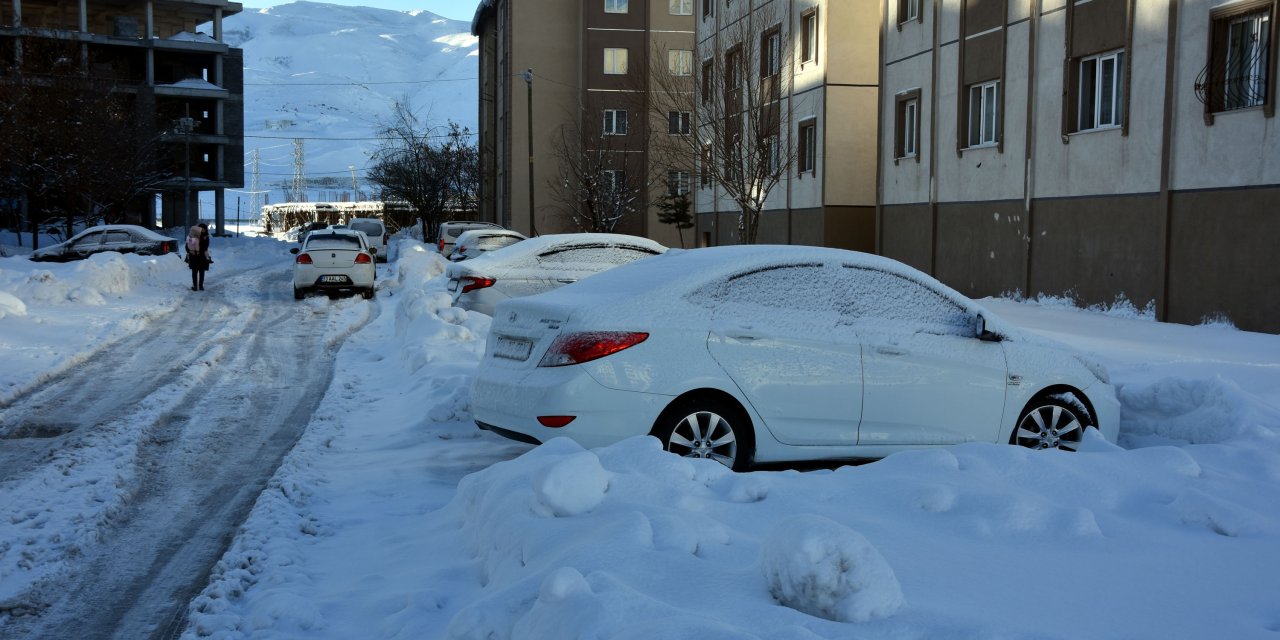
(434, 170)
(600, 178)
(740, 106)
(75, 148)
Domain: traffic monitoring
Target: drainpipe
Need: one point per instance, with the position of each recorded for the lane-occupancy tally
(933, 142)
(1166, 161)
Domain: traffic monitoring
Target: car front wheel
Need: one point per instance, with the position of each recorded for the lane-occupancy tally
(707, 428)
(1051, 423)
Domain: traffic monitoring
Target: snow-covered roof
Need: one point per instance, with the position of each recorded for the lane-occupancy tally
(187, 36)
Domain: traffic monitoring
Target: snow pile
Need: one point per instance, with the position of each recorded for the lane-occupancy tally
(1196, 411)
(827, 570)
(11, 305)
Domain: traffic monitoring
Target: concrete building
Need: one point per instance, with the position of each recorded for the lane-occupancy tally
(590, 63)
(1088, 147)
(191, 82)
(817, 64)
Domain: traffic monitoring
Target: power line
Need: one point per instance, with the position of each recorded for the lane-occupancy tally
(353, 84)
(426, 136)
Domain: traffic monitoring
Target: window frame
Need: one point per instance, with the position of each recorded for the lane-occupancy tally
(1117, 56)
(680, 60)
(677, 178)
(677, 7)
(809, 37)
(989, 96)
(807, 143)
(907, 117)
(619, 6)
(771, 52)
(626, 66)
(905, 13)
(611, 120)
(617, 179)
(683, 121)
(1220, 21)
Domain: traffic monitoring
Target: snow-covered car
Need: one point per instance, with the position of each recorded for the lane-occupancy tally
(375, 232)
(540, 264)
(123, 238)
(450, 230)
(334, 260)
(753, 354)
(477, 241)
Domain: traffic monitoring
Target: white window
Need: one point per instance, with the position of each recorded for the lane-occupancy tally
(680, 62)
(772, 154)
(615, 122)
(1248, 39)
(681, 8)
(984, 118)
(677, 182)
(615, 61)
(908, 10)
(615, 6)
(909, 126)
(809, 37)
(771, 54)
(808, 146)
(1101, 91)
(678, 123)
(615, 180)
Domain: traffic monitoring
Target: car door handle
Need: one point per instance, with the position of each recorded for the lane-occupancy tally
(567, 281)
(891, 351)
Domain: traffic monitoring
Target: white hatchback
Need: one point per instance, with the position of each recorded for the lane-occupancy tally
(375, 232)
(541, 264)
(334, 260)
(763, 354)
(477, 241)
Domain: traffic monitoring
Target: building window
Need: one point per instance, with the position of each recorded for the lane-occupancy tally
(677, 182)
(808, 137)
(707, 79)
(706, 8)
(681, 8)
(615, 180)
(615, 6)
(704, 166)
(615, 122)
(615, 61)
(906, 128)
(771, 53)
(809, 37)
(1101, 91)
(680, 62)
(678, 123)
(908, 10)
(1240, 68)
(984, 104)
(772, 154)
(733, 69)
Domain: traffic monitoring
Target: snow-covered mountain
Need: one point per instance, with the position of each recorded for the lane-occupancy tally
(315, 70)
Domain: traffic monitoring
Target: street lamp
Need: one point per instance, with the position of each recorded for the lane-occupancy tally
(533, 220)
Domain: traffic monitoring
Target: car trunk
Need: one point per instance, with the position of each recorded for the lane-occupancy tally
(521, 332)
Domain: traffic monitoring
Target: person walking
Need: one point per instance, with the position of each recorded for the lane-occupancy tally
(198, 255)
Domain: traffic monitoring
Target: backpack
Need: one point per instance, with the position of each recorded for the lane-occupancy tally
(193, 244)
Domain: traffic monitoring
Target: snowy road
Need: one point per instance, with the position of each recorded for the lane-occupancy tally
(187, 420)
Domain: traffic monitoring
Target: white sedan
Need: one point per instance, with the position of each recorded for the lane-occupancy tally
(334, 260)
(540, 264)
(753, 354)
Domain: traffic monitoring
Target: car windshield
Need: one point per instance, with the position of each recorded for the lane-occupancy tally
(595, 254)
(371, 229)
(333, 241)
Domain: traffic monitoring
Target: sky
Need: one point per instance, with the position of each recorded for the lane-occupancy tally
(394, 517)
(455, 9)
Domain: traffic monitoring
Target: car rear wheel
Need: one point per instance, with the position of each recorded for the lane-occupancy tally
(367, 293)
(1051, 423)
(297, 293)
(707, 427)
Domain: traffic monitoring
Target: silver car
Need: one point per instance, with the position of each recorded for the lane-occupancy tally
(541, 264)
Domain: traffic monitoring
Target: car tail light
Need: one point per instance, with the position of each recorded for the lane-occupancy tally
(303, 258)
(577, 348)
(440, 249)
(555, 422)
(363, 258)
(476, 282)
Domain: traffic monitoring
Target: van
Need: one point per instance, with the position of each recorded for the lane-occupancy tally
(449, 232)
(375, 231)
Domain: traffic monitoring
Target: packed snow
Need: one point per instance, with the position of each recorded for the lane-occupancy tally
(394, 517)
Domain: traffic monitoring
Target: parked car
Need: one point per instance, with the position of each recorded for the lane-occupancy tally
(541, 264)
(308, 228)
(334, 260)
(752, 354)
(449, 232)
(123, 238)
(376, 233)
(477, 241)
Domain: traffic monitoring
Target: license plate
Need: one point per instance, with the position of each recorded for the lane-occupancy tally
(453, 286)
(333, 279)
(512, 349)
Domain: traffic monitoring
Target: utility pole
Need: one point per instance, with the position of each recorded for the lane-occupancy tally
(184, 126)
(533, 218)
(355, 186)
(255, 197)
(299, 182)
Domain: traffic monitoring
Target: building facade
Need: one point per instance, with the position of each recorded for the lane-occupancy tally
(191, 84)
(1093, 148)
(579, 71)
(812, 66)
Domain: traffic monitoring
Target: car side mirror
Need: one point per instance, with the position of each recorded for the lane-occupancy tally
(294, 250)
(983, 333)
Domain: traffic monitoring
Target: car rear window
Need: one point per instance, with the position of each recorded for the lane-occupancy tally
(315, 241)
(118, 237)
(371, 229)
(489, 243)
(595, 254)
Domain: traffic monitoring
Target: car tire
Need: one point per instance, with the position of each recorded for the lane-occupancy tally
(707, 427)
(298, 293)
(1050, 422)
(367, 294)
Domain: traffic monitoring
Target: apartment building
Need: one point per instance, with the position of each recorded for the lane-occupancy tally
(807, 69)
(562, 78)
(190, 83)
(1087, 147)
